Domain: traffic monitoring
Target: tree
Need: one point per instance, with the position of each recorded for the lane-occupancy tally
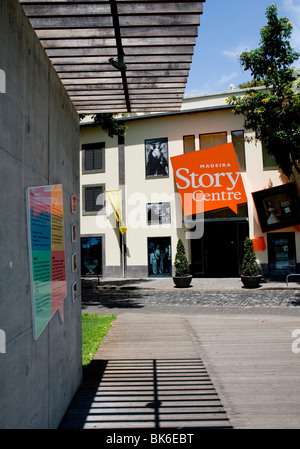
(274, 112)
(181, 263)
(249, 263)
(109, 124)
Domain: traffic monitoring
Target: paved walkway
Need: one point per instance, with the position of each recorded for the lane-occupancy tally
(159, 295)
(233, 366)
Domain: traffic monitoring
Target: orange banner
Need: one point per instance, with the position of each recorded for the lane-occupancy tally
(209, 179)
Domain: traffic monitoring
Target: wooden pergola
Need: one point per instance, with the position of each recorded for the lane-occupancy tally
(119, 55)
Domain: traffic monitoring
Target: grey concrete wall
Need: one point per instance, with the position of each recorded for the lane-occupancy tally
(39, 145)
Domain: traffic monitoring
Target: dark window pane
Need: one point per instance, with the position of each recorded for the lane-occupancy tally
(91, 194)
(98, 159)
(89, 159)
(93, 156)
(188, 144)
(238, 143)
(269, 160)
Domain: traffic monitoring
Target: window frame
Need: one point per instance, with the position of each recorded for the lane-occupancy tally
(93, 146)
(243, 131)
(183, 142)
(264, 152)
(94, 212)
(207, 134)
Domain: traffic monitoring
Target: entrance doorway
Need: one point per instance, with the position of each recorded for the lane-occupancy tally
(219, 252)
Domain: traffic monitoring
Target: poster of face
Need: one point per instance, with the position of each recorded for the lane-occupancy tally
(156, 158)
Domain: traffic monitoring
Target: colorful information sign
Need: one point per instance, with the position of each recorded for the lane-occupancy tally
(209, 179)
(47, 253)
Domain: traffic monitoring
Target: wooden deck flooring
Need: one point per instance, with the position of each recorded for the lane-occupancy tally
(165, 371)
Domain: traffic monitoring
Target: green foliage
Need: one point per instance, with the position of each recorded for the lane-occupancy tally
(252, 83)
(94, 329)
(109, 124)
(249, 263)
(181, 262)
(273, 114)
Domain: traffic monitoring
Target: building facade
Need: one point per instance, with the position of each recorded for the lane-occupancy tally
(140, 169)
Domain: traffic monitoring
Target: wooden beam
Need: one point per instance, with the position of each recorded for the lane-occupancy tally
(141, 32)
(159, 20)
(66, 9)
(153, 59)
(111, 42)
(131, 74)
(175, 7)
(102, 90)
(155, 37)
(131, 67)
(71, 22)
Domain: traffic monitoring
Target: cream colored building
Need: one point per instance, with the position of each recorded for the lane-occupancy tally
(151, 206)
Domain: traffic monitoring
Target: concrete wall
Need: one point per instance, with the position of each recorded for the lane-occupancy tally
(39, 145)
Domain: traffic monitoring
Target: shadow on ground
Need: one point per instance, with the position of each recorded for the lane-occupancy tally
(149, 393)
(118, 293)
(296, 301)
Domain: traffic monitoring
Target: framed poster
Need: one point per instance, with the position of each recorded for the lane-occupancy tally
(157, 158)
(46, 253)
(278, 207)
(158, 213)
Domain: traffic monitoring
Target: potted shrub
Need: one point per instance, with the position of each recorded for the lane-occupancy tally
(182, 276)
(250, 272)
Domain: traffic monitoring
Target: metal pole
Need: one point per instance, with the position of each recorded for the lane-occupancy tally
(123, 255)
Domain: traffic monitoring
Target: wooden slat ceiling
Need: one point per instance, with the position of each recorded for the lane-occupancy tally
(155, 39)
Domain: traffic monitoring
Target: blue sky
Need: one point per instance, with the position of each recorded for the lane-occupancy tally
(227, 28)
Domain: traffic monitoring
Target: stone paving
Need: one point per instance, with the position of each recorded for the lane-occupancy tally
(160, 295)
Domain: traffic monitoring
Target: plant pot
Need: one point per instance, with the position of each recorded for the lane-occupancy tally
(182, 281)
(251, 281)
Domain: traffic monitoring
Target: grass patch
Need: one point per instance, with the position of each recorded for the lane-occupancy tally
(94, 329)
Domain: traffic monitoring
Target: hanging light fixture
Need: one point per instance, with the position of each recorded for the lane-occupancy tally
(118, 63)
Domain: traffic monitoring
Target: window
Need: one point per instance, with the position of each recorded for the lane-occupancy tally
(188, 144)
(91, 255)
(92, 202)
(269, 161)
(159, 256)
(93, 157)
(281, 253)
(158, 213)
(239, 146)
(212, 139)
